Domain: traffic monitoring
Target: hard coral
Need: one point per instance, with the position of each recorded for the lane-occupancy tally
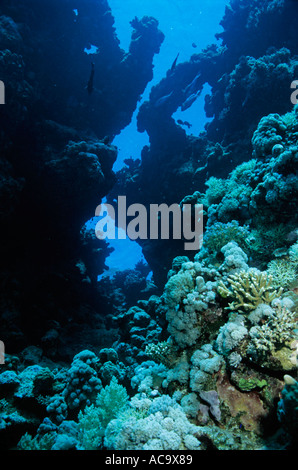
(248, 289)
(274, 334)
(283, 272)
(219, 234)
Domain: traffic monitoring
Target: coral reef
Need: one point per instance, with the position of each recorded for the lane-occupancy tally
(204, 356)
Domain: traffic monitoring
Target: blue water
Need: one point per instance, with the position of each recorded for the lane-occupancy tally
(189, 26)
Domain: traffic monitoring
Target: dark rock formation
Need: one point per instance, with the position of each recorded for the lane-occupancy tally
(56, 161)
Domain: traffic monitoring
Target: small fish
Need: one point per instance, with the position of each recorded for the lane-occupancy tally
(174, 63)
(189, 101)
(90, 86)
(191, 87)
(162, 100)
(184, 123)
(194, 45)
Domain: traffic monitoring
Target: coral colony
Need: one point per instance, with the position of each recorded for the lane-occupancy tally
(195, 348)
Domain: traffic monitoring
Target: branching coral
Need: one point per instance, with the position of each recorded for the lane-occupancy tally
(248, 289)
(283, 272)
(275, 333)
(219, 234)
(163, 352)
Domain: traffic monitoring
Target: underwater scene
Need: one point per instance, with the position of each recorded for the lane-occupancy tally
(149, 227)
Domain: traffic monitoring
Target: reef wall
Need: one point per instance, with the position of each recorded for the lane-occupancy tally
(57, 158)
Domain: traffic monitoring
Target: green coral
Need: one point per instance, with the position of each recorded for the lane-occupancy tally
(282, 271)
(219, 234)
(293, 254)
(232, 188)
(265, 240)
(95, 418)
(27, 442)
(248, 289)
(217, 188)
(250, 383)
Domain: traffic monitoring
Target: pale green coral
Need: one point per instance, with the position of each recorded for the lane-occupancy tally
(233, 188)
(91, 429)
(248, 289)
(46, 442)
(293, 254)
(95, 418)
(165, 427)
(243, 171)
(219, 234)
(217, 188)
(265, 240)
(282, 271)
